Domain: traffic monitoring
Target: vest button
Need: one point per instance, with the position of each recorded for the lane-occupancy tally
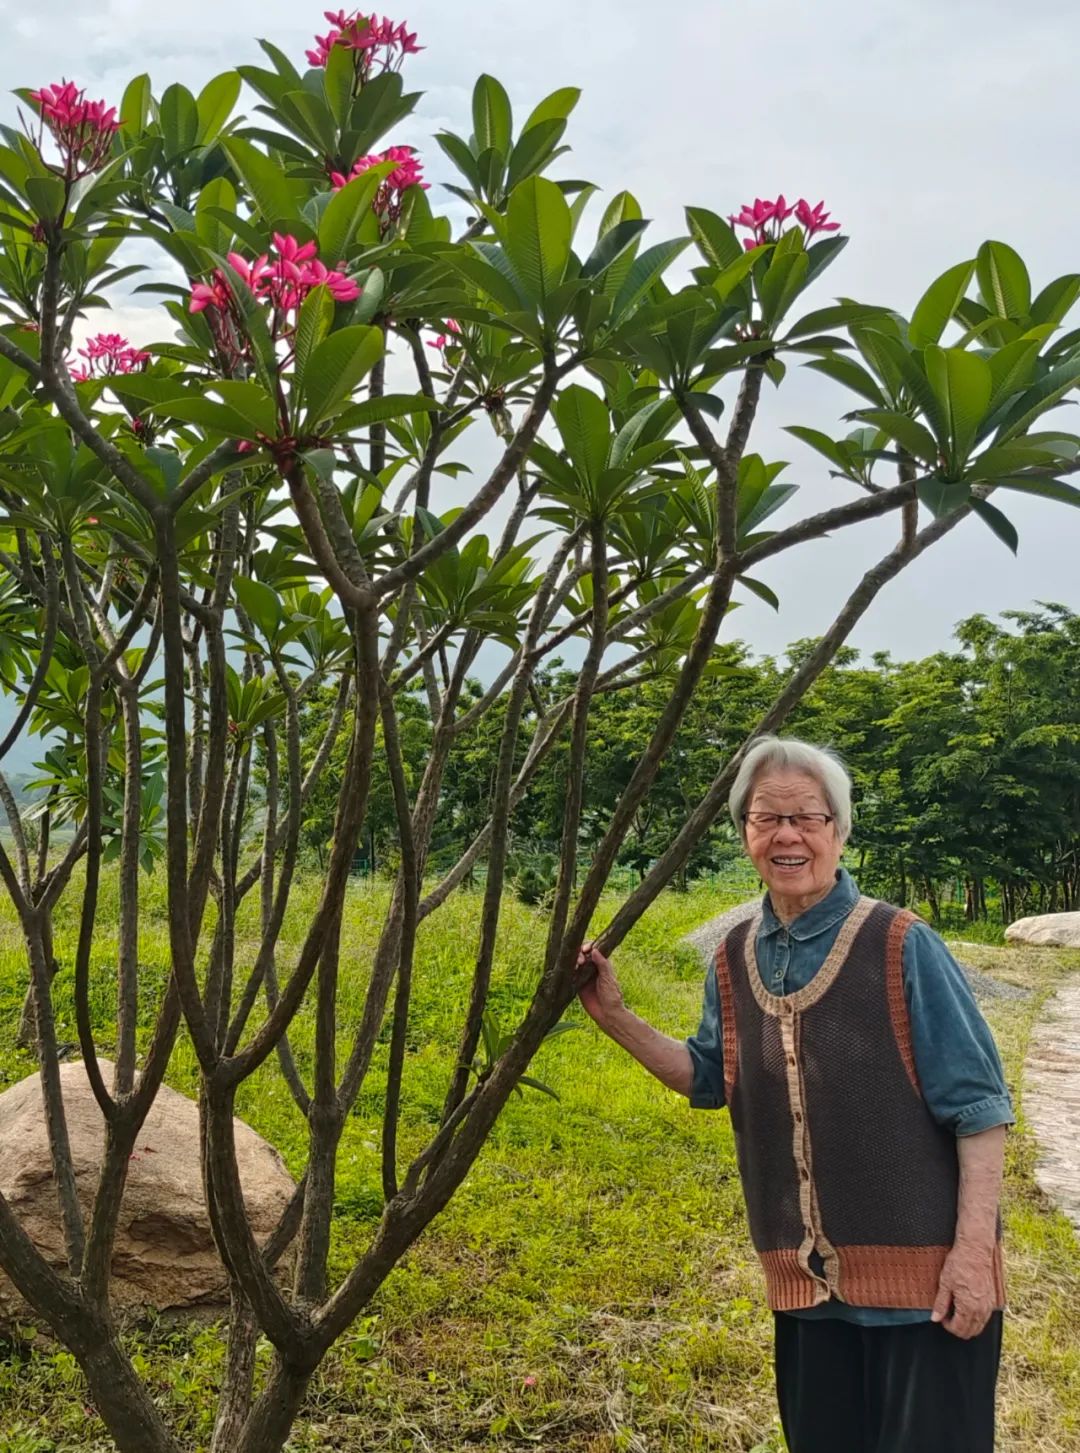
(805, 1174)
(798, 1117)
(791, 1059)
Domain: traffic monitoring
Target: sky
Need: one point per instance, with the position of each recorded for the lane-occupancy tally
(926, 127)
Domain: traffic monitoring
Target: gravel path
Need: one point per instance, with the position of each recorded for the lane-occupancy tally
(1052, 1098)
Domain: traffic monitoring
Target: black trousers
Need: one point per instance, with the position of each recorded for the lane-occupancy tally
(907, 1389)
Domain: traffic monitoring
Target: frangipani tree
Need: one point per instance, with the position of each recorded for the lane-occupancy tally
(252, 481)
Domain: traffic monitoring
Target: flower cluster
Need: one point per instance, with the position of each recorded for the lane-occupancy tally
(374, 42)
(83, 130)
(282, 278)
(108, 354)
(765, 220)
(446, 340)
(408, 172)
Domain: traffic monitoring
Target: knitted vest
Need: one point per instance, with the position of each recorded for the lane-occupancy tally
(850, 1184)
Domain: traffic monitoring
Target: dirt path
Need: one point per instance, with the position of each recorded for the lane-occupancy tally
(1052, 1098)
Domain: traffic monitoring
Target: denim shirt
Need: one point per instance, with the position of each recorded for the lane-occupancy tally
(955, 1055)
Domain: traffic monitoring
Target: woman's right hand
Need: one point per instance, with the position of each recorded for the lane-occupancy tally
(600, 996)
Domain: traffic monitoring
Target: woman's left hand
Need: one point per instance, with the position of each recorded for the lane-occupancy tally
(966, 1292)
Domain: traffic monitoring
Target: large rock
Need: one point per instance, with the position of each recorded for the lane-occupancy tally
(1062, 930)
(164, 1255)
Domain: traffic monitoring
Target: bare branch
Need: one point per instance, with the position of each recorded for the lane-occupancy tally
(485, 497)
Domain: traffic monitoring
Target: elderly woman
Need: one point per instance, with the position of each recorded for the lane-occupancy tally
(869, 1112)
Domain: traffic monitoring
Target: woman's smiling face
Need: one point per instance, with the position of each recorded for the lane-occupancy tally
(797, 864)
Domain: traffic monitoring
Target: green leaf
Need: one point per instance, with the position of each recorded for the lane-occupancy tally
(146, 389)
(825, 318)
(534, 148)
(938, 305)
(1003, 280)
(1047, 392)
(942, 496)
(1055, 489)
(219, 418)
(646, 269)
(907, 432)
(1003, 459)
(312, 326)
(220, 194)
(623, 207)
(461, 156)
(261, 603)
(179, 120)
(585, 428)
(852, 375)
(714, 238)
(612, 245)
(135, 106)
(1011, 368)
(478, 267)
(214, 105)
(556, 107)
(784, 279)
(251, 401)
(344, 211)
(821, 254)
(730, 277)
(46, 196)
(493, 121)
(271, 193)
(385, 406)
(756, 587)
(962, 383)
(379, 105)
(1001, 525)
(335, 368)
(832, 451)
(339, 75)
(538, 233)
(1056, 299)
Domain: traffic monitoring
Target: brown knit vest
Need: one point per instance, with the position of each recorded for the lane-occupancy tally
(850, 1184)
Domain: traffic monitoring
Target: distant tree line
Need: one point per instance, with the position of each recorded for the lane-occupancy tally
(966, 767)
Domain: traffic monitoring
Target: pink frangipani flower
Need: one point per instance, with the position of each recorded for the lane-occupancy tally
(408, 172)
(814, 219)
(370, 39)
(83, 130)
(444, 340)
(764, 220)
(281, 278)
(107, 354)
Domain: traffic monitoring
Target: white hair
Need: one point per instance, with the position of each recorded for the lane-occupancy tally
(770, 752)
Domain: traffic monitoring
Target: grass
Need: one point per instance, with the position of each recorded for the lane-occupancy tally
(591, 1289)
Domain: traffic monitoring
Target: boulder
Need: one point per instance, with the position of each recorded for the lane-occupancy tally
(164, 1256)
(1062, 930)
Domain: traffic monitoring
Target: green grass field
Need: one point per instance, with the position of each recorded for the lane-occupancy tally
(591, 1289)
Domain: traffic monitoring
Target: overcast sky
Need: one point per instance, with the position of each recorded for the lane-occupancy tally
(926, 127)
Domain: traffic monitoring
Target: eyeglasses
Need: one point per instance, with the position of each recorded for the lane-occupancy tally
(805, 822)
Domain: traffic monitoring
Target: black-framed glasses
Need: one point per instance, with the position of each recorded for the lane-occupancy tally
(801, 821)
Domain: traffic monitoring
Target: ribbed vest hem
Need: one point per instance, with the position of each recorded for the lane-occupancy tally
(868, 1276)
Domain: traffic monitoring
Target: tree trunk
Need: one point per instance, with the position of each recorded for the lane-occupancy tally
(120, 1397)
(270, 1422)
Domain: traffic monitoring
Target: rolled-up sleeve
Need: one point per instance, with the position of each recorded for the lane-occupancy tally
(707, 1052)
(956, 1058)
